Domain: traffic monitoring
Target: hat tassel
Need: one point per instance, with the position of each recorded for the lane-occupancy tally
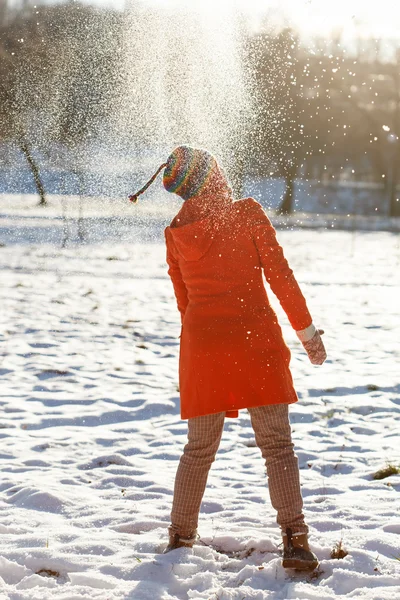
(134, 197)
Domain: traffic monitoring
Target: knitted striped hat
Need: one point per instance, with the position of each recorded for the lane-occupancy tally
(187, 172)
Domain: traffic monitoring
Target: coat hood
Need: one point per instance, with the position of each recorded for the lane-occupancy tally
(193, 241)
(193, 228)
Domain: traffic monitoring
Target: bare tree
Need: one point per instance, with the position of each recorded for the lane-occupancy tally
(280, 135)
(26, 150)
(3, 13)
(21, 91)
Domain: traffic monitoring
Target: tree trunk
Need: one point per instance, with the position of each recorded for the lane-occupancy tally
(394, 195)
(394, 207)
(24, 147)
(64, 213)
(286, 206)
(237, 177)
(394, 204)
(81, 223)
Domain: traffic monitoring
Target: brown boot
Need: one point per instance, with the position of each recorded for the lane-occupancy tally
(296, 552)
(175, 541)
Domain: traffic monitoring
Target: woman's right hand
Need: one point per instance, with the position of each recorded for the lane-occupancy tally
(315, 348)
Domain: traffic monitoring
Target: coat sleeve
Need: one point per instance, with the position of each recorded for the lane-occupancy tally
(276, 268)
(176, 276)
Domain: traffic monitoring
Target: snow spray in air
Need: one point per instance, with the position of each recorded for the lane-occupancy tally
(182, 80)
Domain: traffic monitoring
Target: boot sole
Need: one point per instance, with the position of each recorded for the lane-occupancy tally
(299, 565)
(171, 548)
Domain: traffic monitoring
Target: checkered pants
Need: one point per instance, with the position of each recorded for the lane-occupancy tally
(273, 437)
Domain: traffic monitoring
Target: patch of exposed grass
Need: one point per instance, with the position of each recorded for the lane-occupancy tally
(338, 551)
(328, 415)
(386, 472)
(316, 574)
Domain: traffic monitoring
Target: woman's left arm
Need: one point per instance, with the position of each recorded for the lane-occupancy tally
(276, 268)
(284, 285)
(176, 276)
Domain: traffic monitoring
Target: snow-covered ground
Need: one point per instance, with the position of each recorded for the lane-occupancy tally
(90, 434)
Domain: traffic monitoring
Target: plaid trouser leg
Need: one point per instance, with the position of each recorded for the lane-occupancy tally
(273, 437)
(204, 436)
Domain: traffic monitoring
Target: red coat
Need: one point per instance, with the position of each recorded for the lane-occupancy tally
(232, 352)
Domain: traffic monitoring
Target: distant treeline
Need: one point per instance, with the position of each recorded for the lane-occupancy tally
(326, 113)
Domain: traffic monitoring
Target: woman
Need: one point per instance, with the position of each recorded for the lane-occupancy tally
(232, 353)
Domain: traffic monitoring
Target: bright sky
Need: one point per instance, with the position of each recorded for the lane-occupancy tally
(355, 18)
